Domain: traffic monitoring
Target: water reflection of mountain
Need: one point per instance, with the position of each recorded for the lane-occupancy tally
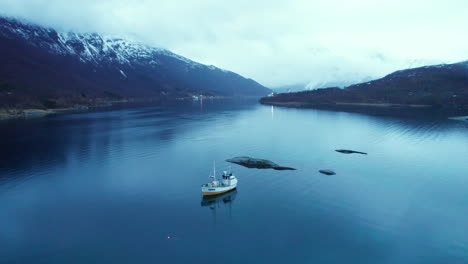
(114, 134)
(45, 143)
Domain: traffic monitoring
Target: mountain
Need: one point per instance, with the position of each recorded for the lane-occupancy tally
(333, 83)
(289, 88)
(437, 85)
(41, 67)
(313, 85)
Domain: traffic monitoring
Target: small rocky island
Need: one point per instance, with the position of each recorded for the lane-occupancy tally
(347, 151)
(257, 163)
(327, 172)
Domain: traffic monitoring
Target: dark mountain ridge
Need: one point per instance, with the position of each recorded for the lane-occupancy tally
(444, 85)
(41, 67)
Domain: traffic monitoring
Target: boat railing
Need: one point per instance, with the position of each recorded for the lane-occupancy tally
(211, 185)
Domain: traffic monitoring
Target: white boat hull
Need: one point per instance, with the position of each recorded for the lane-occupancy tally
(210, 190)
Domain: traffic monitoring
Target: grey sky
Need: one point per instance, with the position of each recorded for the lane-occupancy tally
(276, 42)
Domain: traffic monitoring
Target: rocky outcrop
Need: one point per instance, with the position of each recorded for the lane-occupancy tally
(347, 151)
(327, 172)
(257, 163)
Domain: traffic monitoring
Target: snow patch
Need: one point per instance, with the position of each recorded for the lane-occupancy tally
(95, 48)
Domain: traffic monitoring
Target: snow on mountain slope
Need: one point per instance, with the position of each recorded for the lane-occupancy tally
(89, 47)
(39, 63)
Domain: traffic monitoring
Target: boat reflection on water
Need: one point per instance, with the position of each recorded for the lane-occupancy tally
(215, 202)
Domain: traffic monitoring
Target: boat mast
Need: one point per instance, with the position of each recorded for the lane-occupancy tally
(214, 170)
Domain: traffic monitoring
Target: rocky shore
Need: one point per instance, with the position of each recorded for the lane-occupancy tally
(25, 113)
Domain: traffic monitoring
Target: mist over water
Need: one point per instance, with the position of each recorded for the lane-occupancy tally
(123, 186)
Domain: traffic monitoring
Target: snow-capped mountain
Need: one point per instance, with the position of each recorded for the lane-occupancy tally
(314, 85)
(88, 47)
(39, 62)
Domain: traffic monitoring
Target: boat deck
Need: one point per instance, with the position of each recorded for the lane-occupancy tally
(220, 185)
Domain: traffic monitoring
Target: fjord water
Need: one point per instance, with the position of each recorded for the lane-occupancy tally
(123, 186)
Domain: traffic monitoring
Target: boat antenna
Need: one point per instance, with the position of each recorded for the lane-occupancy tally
(214, 171)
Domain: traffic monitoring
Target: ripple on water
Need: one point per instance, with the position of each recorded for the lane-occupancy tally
(134, 175)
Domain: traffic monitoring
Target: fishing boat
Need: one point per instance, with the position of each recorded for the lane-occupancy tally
(228, 182)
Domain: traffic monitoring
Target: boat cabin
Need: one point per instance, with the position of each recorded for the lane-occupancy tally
(227, 175)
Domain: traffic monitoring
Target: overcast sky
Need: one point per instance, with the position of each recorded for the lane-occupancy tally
(276, 42)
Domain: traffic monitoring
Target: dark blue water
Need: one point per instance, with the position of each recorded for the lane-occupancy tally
(123, 186)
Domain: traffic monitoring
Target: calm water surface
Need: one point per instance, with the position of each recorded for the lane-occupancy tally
(123, 186)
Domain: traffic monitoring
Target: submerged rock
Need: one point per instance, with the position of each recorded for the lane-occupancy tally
(257, 163)
(347, 151)
(327, 172)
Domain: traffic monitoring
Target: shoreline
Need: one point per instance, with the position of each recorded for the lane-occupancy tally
(15, 113)
(380, 105)
(18, 113)
(383, 109)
